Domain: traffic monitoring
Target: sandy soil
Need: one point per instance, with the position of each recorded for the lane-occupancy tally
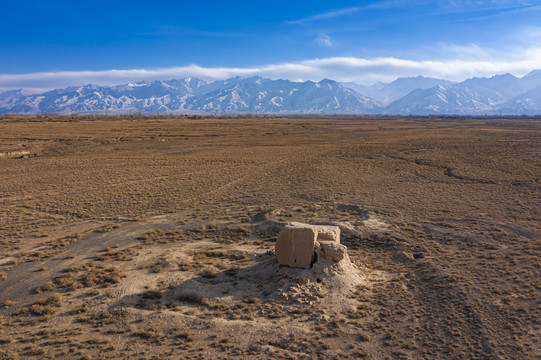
(154, 238)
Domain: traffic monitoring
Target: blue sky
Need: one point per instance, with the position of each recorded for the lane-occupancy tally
(47, 44)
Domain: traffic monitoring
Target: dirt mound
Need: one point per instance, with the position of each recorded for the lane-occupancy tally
(263, 281)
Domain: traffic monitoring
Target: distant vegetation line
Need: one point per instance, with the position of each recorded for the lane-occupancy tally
(51, 117)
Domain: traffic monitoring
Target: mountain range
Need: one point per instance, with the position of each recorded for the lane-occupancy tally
(500, 94)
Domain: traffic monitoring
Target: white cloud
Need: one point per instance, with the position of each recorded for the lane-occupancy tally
(324, 40)
(464, 51)
(326, 15)
(501, 12)
(356, 69)
(374, 5)
(499, 8)
(529, 34)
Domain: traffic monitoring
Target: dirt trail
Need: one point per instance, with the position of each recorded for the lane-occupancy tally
(22, 281)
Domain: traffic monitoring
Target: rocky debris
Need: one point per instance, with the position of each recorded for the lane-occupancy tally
(331, 251)
(15, 154)
(301, 245)
(404, 256)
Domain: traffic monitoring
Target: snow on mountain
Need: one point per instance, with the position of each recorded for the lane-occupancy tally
(387, 93)
(475, 96)
(441, 100)
(260, 95)
(10, 97)
(528, 103)
(531, 80)
(235, 95)
(403, 86)
(144, 96)
(496, 89)
(505, 94)
(372, 91)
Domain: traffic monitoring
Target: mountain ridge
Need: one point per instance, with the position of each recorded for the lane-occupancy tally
(499, 94)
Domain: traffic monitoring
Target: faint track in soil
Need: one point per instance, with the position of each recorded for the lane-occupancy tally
(25, 278)
(447, 170)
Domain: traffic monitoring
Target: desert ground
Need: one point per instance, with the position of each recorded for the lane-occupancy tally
(153, 238)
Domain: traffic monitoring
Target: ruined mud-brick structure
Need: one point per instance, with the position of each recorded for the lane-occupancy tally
(302, 245)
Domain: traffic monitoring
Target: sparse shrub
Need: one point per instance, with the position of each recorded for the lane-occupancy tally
(97, 319)
(9, 355)
(45, 306)
(185, 335)
(149, 334)
(97, 340)
(252, 300)
(68, 281)
(55, 300)
(275, 312)
(190, 297)
(185, 264)
(36, 351)
(102, 276)
(120, 255)
(151, 295)
(209, 272)
(80, 309)
(363, 336)
(108, 228)
(160, 265)
(9, 303)
(97, 275)
(153, 237)
(231, 272)
(92, 292)
(49, 285)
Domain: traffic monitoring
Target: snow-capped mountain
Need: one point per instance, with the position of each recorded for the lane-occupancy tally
(283, 96)
(10, 99)
(475, 96)
(441, 100)
(387, 93)
(372, 91)
(500, 94)
(528, 103)
(236, 95)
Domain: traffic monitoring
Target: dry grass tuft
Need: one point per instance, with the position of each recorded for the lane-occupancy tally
(9, 303)
(44, 306)
(88, 275)
(209, 272)
(9, 355)
(98, 319)
(127, 254)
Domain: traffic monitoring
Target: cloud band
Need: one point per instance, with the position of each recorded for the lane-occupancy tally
(360, 70)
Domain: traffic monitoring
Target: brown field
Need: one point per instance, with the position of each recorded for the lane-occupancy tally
(153, 238)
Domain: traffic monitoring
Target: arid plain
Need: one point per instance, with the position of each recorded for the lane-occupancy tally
(153, 238)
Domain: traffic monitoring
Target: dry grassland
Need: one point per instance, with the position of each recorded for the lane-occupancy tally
(154, 238)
